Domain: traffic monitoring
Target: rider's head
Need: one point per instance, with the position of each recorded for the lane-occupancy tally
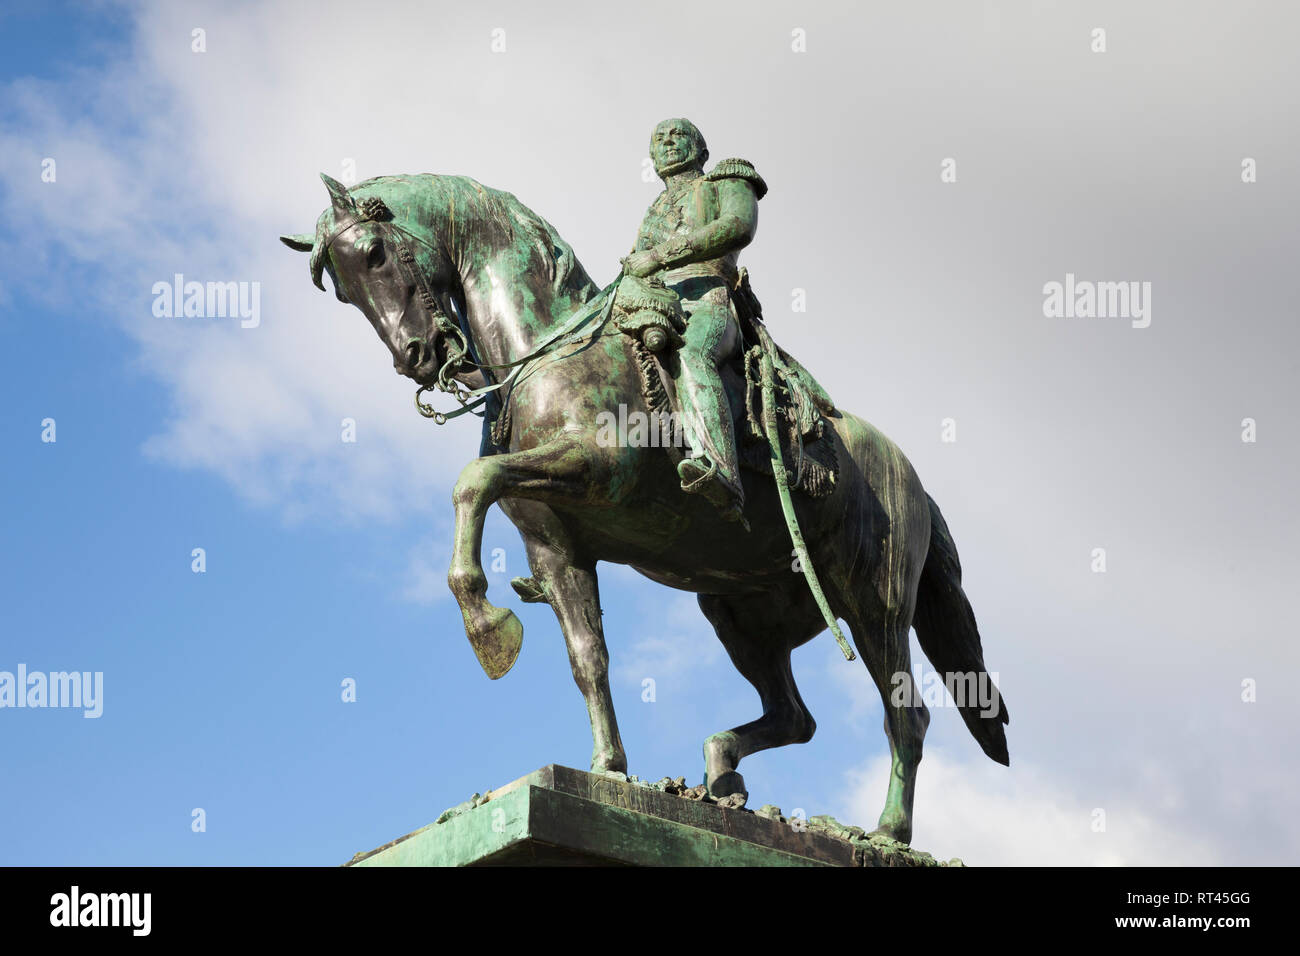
(676, 146)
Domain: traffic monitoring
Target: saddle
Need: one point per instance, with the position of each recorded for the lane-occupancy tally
(652, 317)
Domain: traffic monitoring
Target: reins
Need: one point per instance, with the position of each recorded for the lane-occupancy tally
(566, 333)
(373, 209)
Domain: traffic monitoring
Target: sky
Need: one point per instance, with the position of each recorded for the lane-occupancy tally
(933, 168)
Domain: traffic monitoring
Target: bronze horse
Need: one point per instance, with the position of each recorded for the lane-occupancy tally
(468, 288)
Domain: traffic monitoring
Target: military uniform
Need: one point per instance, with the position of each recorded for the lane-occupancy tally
(682, 225)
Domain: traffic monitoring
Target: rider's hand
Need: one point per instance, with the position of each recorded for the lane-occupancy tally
(642, 264)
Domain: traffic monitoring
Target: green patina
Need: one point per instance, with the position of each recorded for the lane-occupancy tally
(561, 816)
(479, 297)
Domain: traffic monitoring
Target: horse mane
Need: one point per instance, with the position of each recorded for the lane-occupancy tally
(446, 204)
(512, 217)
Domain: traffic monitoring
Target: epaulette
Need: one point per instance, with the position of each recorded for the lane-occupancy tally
(739, 169)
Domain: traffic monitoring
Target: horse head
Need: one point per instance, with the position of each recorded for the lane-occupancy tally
(383, 258)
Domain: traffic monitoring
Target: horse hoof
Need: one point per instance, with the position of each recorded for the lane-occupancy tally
(728, 784)
(901, 835)
(496, 637)
(609, 762)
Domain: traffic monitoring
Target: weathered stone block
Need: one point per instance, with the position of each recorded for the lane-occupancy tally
(558, 816)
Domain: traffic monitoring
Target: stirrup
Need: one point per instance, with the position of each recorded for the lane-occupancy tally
(693, 486)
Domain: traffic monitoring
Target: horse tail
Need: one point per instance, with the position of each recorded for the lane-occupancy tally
(945, 627)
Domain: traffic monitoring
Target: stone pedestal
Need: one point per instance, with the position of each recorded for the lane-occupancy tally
(558, 816)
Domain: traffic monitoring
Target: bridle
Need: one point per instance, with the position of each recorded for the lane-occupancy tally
(459, 352)
(372, 209)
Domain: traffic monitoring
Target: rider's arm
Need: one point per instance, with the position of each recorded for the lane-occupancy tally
(732, 230)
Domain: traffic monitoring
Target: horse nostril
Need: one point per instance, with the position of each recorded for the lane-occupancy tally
(414, 353)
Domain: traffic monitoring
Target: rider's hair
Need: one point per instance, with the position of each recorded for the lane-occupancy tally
(700, 146)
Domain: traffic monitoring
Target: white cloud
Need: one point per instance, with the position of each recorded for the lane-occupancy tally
(162, 169)
(679, 641)
(175, 162)
(989, 815)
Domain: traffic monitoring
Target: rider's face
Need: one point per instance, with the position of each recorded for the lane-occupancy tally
(672, 145)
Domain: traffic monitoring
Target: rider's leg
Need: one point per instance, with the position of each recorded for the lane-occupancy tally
(711, 338)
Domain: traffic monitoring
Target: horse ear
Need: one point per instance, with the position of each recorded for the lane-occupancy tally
(344, 204)
(302, 241)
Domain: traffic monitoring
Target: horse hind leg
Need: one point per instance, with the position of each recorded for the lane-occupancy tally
(881, 622)
(759, 631)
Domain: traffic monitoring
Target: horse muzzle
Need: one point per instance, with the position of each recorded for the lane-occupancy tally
(421, 361)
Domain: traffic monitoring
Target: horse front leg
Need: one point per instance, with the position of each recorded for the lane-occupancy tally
(556, 471)
(567, 581)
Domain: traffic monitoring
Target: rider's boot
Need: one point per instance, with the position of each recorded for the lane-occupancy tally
(701, 476)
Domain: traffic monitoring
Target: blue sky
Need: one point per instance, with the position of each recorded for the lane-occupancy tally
(222, 689)
(326, 560)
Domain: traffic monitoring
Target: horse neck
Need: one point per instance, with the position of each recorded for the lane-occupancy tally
(509, 313)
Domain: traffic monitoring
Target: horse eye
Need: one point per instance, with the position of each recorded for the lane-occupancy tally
(375, 254)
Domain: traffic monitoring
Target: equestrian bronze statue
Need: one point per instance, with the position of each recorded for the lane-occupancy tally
(655, 423)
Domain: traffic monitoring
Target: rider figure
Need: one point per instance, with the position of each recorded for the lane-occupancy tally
(690, 238)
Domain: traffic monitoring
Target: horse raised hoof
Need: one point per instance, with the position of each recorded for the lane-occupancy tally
(496, 636)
